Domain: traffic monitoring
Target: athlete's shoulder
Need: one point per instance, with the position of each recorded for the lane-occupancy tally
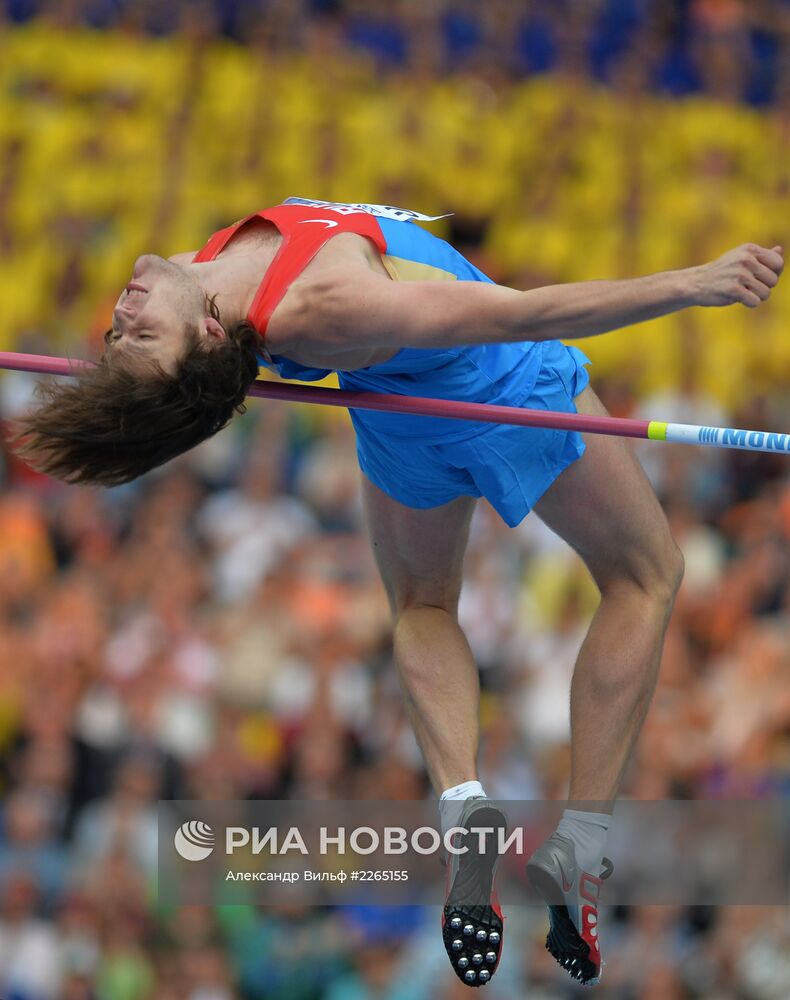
(317, 320)
(316, 301)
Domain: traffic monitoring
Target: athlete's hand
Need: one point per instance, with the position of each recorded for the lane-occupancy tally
(746, 274)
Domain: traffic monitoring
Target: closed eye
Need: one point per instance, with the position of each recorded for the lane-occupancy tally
(110, 337)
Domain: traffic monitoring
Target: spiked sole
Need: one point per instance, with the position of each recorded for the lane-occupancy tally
(563, 942)
(473, 933)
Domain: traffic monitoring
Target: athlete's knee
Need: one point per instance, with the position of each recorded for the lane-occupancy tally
(666, 570)
(654, 565)
(434, 598)
(676, 567)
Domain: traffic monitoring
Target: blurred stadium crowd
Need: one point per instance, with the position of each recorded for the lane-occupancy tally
(114, 143)
(218, 630)
(729, 47)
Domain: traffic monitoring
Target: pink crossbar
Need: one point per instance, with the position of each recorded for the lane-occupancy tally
(454, 409)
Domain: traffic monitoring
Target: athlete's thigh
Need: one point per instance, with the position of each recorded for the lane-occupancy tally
(604, 506)
(419, 553)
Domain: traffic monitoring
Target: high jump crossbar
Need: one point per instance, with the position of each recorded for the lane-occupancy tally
(653, 430)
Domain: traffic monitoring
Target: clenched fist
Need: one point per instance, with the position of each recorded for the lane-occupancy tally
(746, 274)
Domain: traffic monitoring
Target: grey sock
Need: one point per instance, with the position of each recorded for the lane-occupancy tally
(588, 832)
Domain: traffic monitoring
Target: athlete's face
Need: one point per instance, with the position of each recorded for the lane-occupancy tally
(155, 311)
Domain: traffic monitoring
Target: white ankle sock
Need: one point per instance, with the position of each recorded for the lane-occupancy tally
(449, 813)
(588, 832)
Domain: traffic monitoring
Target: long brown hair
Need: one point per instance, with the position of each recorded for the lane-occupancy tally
(113, 422)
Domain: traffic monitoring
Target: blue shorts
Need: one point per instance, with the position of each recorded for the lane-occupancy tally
(512, 467)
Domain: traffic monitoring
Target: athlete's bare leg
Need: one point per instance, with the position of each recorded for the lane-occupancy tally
(420, 556)
(604, 506)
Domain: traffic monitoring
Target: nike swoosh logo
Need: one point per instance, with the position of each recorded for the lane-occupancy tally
(327, 222)
(566, 885)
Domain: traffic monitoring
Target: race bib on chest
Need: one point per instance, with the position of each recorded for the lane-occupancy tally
(382, 211)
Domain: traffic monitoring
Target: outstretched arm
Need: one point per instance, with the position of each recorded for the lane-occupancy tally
(363, 309)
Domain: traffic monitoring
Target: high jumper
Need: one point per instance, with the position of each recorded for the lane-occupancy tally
(308, 288)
